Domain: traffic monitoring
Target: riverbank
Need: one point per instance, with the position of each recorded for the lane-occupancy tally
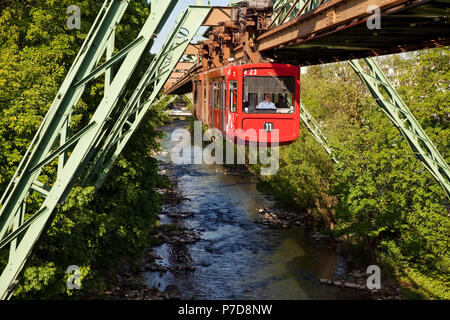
(220, 238)
(208, 246)
(281, 216)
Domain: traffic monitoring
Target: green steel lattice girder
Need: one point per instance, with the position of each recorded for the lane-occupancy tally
(154, 79)
(22, 234)
(400, 115)
(285, 10)
(314, 128)
(18, 190)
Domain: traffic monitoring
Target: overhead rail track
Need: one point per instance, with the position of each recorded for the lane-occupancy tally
(310, 32)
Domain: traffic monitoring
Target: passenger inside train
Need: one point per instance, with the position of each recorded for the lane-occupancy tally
(266, 103)
(268, 94)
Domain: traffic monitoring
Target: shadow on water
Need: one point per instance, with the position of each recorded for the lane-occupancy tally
(236, 258)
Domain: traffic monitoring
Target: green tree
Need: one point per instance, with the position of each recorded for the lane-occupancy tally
(379, 197)
(93, 230)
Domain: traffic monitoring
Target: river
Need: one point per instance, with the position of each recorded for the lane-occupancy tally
(237, 258)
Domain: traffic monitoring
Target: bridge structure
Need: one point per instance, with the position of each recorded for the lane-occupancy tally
(302, 32)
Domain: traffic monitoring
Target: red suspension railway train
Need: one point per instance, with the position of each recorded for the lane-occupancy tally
(249, 102)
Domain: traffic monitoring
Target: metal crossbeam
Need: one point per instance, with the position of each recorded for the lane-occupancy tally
(314, 128)
(155, 77)
(190, 97)
(403, 119)
(22, 234)
(285, 10)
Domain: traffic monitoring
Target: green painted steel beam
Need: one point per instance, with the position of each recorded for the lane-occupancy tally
(63, 148)
(61, 107)
(190, 97)
(153, 80)
(22, 235)
(285, 10)
(108, 64)
(403, 119)
(315, 130)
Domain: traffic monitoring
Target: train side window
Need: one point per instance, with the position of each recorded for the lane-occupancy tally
(195, 91)
(204, 95)
(216, 94)
(211, 95)
(224, 94)
(233, 96)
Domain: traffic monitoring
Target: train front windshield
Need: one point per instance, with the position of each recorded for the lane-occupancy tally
(270, 94)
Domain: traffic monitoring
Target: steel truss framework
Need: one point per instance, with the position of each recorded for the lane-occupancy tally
(315, 130)
(285, 10)
(403, 119)
(385, 95)
(90, 153)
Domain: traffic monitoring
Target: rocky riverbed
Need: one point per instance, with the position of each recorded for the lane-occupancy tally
(220, 238)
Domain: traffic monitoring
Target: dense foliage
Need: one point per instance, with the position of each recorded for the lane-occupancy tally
(379, 197)
(92, 230)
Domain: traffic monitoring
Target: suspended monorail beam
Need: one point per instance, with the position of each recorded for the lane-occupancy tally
(308, 32)
(341, 30)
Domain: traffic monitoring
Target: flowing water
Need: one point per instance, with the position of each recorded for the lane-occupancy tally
(237, 258)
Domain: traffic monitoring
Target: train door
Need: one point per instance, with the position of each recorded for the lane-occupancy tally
(199, 102)
(216, 97)
(195, 98)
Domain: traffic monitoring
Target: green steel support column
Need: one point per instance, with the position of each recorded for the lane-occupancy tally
(154, 79)
(190, 97)
(109, 55)
(280, 8)
(46, 137)
(314, 128)
(21, 235)
(377, 83)
(64, 134)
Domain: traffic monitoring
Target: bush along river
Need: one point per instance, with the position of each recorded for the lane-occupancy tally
(220, 238)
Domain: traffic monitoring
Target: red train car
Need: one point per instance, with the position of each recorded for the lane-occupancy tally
(250, 102)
